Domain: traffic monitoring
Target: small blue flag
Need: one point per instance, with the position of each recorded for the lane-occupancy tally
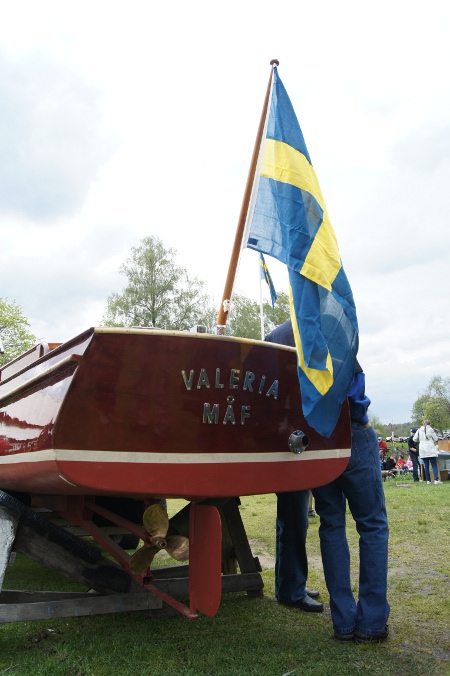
(290, 222)
(265, 274)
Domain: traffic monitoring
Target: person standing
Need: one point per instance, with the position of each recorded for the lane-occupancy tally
(413, 450)
(427, 439)
(291, 561)
(361, 486)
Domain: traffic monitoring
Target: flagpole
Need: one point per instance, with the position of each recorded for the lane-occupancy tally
(226, 298)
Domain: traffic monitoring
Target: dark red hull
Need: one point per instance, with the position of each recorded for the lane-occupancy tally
(140, 413)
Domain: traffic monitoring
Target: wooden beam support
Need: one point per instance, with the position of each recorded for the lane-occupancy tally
(20, 606)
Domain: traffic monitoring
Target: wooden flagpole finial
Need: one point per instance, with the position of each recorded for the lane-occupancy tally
(274, 62)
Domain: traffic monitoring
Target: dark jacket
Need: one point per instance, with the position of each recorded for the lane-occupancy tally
(413, 445)
(390, 463)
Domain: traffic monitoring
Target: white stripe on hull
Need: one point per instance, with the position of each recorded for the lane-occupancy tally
(72, 455)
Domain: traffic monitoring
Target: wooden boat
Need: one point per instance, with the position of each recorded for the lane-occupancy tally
(145, 413)
(96, 429)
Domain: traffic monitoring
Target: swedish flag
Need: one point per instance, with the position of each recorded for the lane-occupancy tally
(265, 274)
(290, 222)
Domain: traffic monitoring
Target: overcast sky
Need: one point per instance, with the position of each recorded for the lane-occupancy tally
(122, 120)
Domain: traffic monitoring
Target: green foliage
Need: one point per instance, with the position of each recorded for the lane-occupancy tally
(159, 292)
(382, 430)
(434, 404)
(377, 425)
(244, 318)
(279, 314)
(418, 409)
(16, 336)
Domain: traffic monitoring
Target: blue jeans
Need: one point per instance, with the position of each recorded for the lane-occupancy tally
(426, 467)
(291, 564)
(361, 485)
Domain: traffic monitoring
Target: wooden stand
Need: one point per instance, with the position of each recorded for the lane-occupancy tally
(112, 589)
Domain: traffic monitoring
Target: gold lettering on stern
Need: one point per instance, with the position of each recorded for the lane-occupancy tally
(231, 414)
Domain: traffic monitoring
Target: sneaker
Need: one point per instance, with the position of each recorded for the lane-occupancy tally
(438, 482)
(428, 482)
(372, 638)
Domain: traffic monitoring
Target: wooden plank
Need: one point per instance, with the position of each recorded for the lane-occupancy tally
(59, 550)
(247, 562)
(28, 596)
(229, 561)
(249, 582)
(81, 605)
(179, 586)
(170, 572)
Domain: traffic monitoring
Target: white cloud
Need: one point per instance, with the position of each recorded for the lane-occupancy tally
(52, 142)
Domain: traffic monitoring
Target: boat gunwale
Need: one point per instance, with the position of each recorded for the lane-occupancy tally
(62, 347)
(188, 334)
(63, 365)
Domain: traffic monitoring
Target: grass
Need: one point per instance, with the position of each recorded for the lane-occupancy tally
(256, 636)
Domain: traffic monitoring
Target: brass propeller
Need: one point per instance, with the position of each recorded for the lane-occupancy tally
(156, 524)
(156, 521)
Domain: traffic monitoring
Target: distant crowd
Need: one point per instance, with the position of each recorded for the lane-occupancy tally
(422, 451)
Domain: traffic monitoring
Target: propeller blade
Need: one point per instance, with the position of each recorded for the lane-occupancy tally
(156, 521)
(178, 547)
(142, 558)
